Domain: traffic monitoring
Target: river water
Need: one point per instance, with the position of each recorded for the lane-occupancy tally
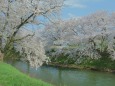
(67, 77)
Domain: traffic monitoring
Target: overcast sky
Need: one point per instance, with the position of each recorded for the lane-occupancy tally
(84, 7)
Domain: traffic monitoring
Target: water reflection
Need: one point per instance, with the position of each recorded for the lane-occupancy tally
(64, 77)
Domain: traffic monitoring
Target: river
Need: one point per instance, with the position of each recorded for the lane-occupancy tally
(67, 77)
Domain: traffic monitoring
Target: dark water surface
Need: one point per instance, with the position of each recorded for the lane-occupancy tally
(67, 77)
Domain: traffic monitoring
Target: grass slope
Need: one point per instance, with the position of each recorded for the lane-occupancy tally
(10, 76)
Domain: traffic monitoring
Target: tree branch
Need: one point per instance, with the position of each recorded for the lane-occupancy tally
(24, 37)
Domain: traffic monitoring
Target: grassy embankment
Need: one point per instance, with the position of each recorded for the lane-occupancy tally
(105, 63)
(102, 64)
(10, 76)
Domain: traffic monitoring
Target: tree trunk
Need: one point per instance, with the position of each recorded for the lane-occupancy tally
(1, 56)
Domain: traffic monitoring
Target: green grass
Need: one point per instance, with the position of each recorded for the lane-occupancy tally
(10, 76)
(102, 63)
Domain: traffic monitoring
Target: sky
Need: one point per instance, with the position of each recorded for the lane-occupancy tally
(79, 8)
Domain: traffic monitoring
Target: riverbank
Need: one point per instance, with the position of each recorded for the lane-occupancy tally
(81, 67)
(9, 76)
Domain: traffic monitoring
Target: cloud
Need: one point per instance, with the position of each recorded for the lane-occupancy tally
(74, 4)
(90, 0)
(79, 3)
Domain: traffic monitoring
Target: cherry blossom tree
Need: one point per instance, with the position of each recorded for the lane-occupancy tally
(15, 15)
(91, 36)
